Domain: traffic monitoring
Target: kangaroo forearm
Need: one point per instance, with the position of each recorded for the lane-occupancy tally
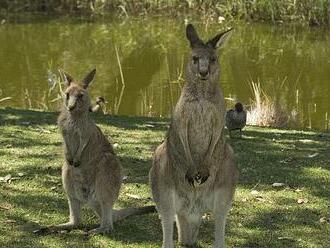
(81, 148)
(185, 143)
(67, 152)
(214, 141)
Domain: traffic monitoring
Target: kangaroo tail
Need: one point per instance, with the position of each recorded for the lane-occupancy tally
(123, 213)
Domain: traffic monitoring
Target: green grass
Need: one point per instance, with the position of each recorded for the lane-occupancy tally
(30, 144)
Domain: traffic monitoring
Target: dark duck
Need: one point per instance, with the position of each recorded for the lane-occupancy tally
(236, 118)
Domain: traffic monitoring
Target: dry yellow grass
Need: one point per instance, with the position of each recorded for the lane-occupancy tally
(265, 111)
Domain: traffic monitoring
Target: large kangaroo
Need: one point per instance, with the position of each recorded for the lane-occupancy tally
(193, 169)
(91, 173)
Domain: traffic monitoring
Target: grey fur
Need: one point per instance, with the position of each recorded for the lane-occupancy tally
(91, 172)
(193, 169)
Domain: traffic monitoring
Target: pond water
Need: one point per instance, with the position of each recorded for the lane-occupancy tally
(291, 63)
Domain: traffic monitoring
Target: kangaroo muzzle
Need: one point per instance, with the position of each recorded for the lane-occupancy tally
(71, 105)
(203, 75)
(203, 69)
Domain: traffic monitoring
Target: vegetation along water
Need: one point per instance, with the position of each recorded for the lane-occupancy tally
(312, 12)
(140, 63)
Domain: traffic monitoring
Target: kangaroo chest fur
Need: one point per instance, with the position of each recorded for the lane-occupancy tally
(84, 132)
(204, 122)
(75, 132)
(71, 132)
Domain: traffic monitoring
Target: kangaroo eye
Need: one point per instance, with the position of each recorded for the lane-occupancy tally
(195, 59)
(80, 95)
(213, 59)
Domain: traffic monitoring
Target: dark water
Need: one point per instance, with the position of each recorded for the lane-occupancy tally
(291, 63)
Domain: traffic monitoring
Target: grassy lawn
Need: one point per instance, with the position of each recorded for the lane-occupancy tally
(295, 214)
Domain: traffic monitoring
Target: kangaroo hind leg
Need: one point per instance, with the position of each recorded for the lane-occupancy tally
(74, 221)
(188, 228)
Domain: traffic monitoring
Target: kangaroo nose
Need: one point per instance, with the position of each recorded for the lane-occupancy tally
(204, 74)
(71, 107)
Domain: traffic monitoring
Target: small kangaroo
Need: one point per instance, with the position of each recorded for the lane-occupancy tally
(193, 169)
(91, 172)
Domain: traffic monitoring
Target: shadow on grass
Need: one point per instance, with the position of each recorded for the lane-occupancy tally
(22, 117)
(278, 228)
(136, 170)
(267, 157)
(27, 238)
(10, 116)
(130, 230)
(264, 156)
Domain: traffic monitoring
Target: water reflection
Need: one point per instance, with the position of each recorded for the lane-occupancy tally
(291, 63)
(138, 68)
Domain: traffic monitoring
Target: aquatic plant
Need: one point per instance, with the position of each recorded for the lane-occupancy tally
(4, 99)
(313, 12)
(265, 110)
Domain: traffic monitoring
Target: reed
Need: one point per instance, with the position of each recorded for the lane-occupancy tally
(5, 99)
(265, 111)
(117, 103)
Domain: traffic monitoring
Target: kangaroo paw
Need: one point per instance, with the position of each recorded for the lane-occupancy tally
(201, 177)
(190, 180)
(69, 161)
(76, 163)
(42, 231)
(100, 230)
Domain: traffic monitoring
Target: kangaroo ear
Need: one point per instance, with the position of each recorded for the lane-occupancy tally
(219, 39)
(68, 78)
(88, 78)
(192, 36)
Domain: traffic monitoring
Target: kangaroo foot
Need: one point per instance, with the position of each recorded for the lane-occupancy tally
(100, 230)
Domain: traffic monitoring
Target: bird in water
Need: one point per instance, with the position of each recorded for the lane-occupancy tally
(99, 105)
(236, 118)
